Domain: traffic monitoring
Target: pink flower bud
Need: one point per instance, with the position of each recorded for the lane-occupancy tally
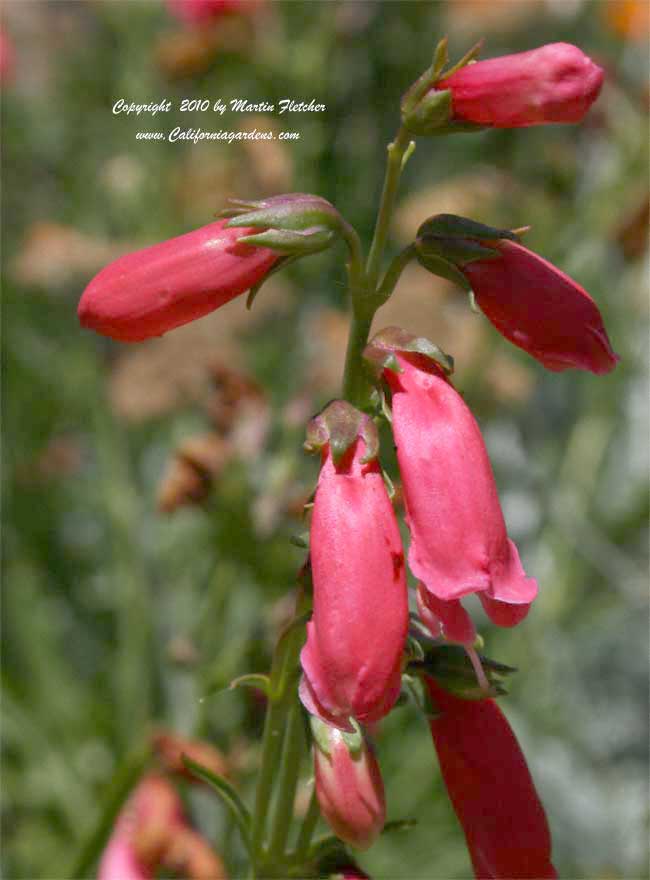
(349, 787)
(491, 789)
(154, 290)
(540, 309)
(555, 83)
(459, 543)
(352, 659)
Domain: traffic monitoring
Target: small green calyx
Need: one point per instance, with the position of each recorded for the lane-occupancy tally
(452, 226)
(296, 224)
(340, 425)
(428, 109)
(445, 243)
(380, 353)
(452, 669)
(325, 736)
(431, 113)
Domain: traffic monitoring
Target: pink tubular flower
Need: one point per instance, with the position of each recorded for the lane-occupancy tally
(459, 543)
(352, 659)
(491, 789)
(540, 309)
(555, 83)
(154, 290)
(151, 815)
(349, 786)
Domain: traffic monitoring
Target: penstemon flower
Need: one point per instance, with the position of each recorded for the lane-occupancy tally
(459, 543)
(490, 788)
(154, 290)
(555, 83)
(540, 309)
(352, 659)
(348, 783)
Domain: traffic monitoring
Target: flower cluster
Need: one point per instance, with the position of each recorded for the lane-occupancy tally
(357, 647)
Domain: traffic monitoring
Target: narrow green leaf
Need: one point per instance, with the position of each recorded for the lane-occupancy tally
(254, 680)
(228, 795)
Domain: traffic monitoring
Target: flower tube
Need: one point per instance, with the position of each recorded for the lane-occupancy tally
(556, 83)
(459, 543)
(491, 789)
(154, 290)
(540, 309)
(352, 659)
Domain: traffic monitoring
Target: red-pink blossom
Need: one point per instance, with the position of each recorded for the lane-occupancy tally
(540, 309)
(349, 787)
(201, 12)
(154, 290)
(459, 543)
(152, 813)
(491, 789)
(555, 83)
(352, 659)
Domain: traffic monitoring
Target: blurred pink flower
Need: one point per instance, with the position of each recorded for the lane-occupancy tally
(153, 812)
(7, 58)
(201, 12)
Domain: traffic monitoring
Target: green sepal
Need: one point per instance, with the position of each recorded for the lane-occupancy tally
(228, 795)
(290, 211)
(380, 353)
(467, 58)
(322, 732)
(452, 669)
(431, 113)
(296, 243)
(300, 540)
(340, 424)
(457, 251)
(451, 226)
(397, 825)
(279, 264)
(437, 265)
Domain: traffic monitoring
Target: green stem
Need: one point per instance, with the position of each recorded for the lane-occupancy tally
(274, 724)
(308, 827)
(396, 152)
(362, 284)
(283, 680)
(356, 387)
(282, 723)
(392, 276)
(289, 772)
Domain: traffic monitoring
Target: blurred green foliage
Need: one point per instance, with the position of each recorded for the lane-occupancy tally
(115, 615)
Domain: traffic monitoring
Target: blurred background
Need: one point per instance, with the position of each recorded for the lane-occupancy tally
(150, 491)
